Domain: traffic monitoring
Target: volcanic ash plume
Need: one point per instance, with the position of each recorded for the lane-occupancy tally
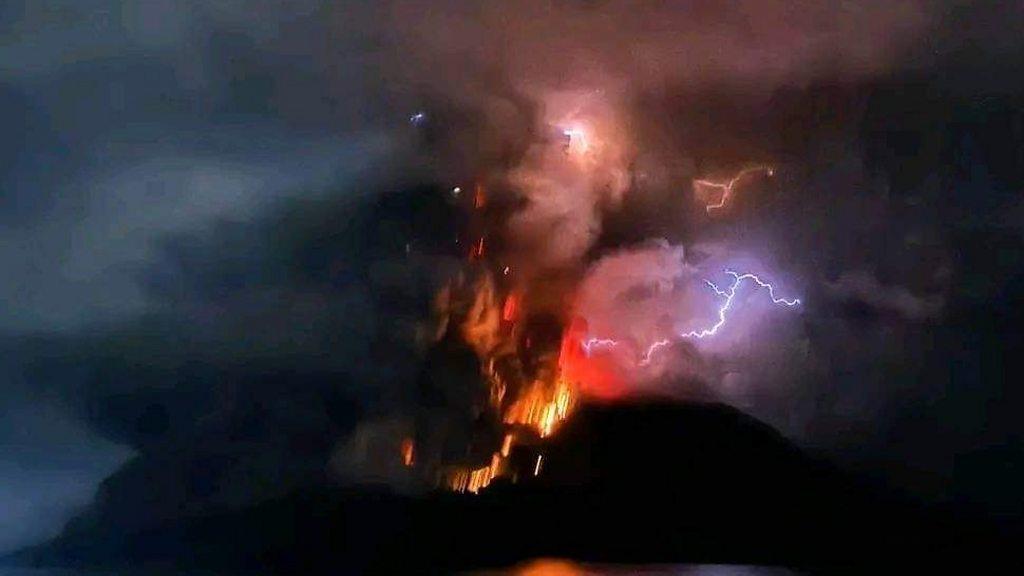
(568, 179)
(532, 325)
(550, 309)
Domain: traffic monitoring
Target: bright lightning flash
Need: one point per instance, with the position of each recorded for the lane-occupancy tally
(728, 295)
(728, 187)
(596, 343)
(578, 141)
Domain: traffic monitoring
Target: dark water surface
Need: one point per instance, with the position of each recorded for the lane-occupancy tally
(532, 568)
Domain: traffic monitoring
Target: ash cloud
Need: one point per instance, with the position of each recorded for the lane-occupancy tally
(864, 289)
(193, 247)
(589, 66)
(567, 43)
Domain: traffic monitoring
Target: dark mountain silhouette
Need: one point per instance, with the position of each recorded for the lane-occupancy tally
(639, 483)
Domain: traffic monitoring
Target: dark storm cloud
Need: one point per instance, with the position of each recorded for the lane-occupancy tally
(194, 225)
(125, 123)
(135, 121)
(261, 344)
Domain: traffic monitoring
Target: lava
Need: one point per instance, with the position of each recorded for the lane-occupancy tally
(543, 407)
(528, 388)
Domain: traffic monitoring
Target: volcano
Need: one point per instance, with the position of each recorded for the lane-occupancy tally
(636, 482)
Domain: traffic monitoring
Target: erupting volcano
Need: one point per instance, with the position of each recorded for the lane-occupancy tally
(523, 302)
(427, 286)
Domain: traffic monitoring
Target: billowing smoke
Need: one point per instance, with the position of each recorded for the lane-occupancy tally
(602, 131)
(568, 180)
(591, 138)
(650, 314)
(892, 212)
(540, 44)
(546, 80)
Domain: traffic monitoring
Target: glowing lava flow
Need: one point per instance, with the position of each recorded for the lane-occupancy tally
(728, 294)
(727, 187)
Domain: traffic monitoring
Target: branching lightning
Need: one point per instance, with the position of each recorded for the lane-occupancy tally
(728, 187)
(727, 295)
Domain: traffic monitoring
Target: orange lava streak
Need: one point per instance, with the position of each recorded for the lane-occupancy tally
(476, 251)
(508, 313)
(472, 481)
(479, 197)
(542, 407)
(408, 452)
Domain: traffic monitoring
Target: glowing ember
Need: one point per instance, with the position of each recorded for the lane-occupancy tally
(479, 197)
(472, 481)
(542, 407)
(408, 452)
(477, 251)
(482, 326)
(508, 312)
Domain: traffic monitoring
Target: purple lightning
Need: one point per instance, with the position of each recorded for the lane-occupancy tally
(646, 358)
(590, 345)
(723, 313)
(729, 294)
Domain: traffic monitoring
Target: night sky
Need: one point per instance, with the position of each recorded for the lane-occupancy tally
(210, 204)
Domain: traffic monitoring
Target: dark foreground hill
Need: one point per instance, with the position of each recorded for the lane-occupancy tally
(638, 483)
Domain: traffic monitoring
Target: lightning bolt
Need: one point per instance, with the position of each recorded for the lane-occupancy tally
(727, 187)
(577, 139)
(591, 344)
(728, 295)
(645, 359)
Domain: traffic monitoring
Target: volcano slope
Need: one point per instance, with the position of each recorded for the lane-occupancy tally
(641, 482)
